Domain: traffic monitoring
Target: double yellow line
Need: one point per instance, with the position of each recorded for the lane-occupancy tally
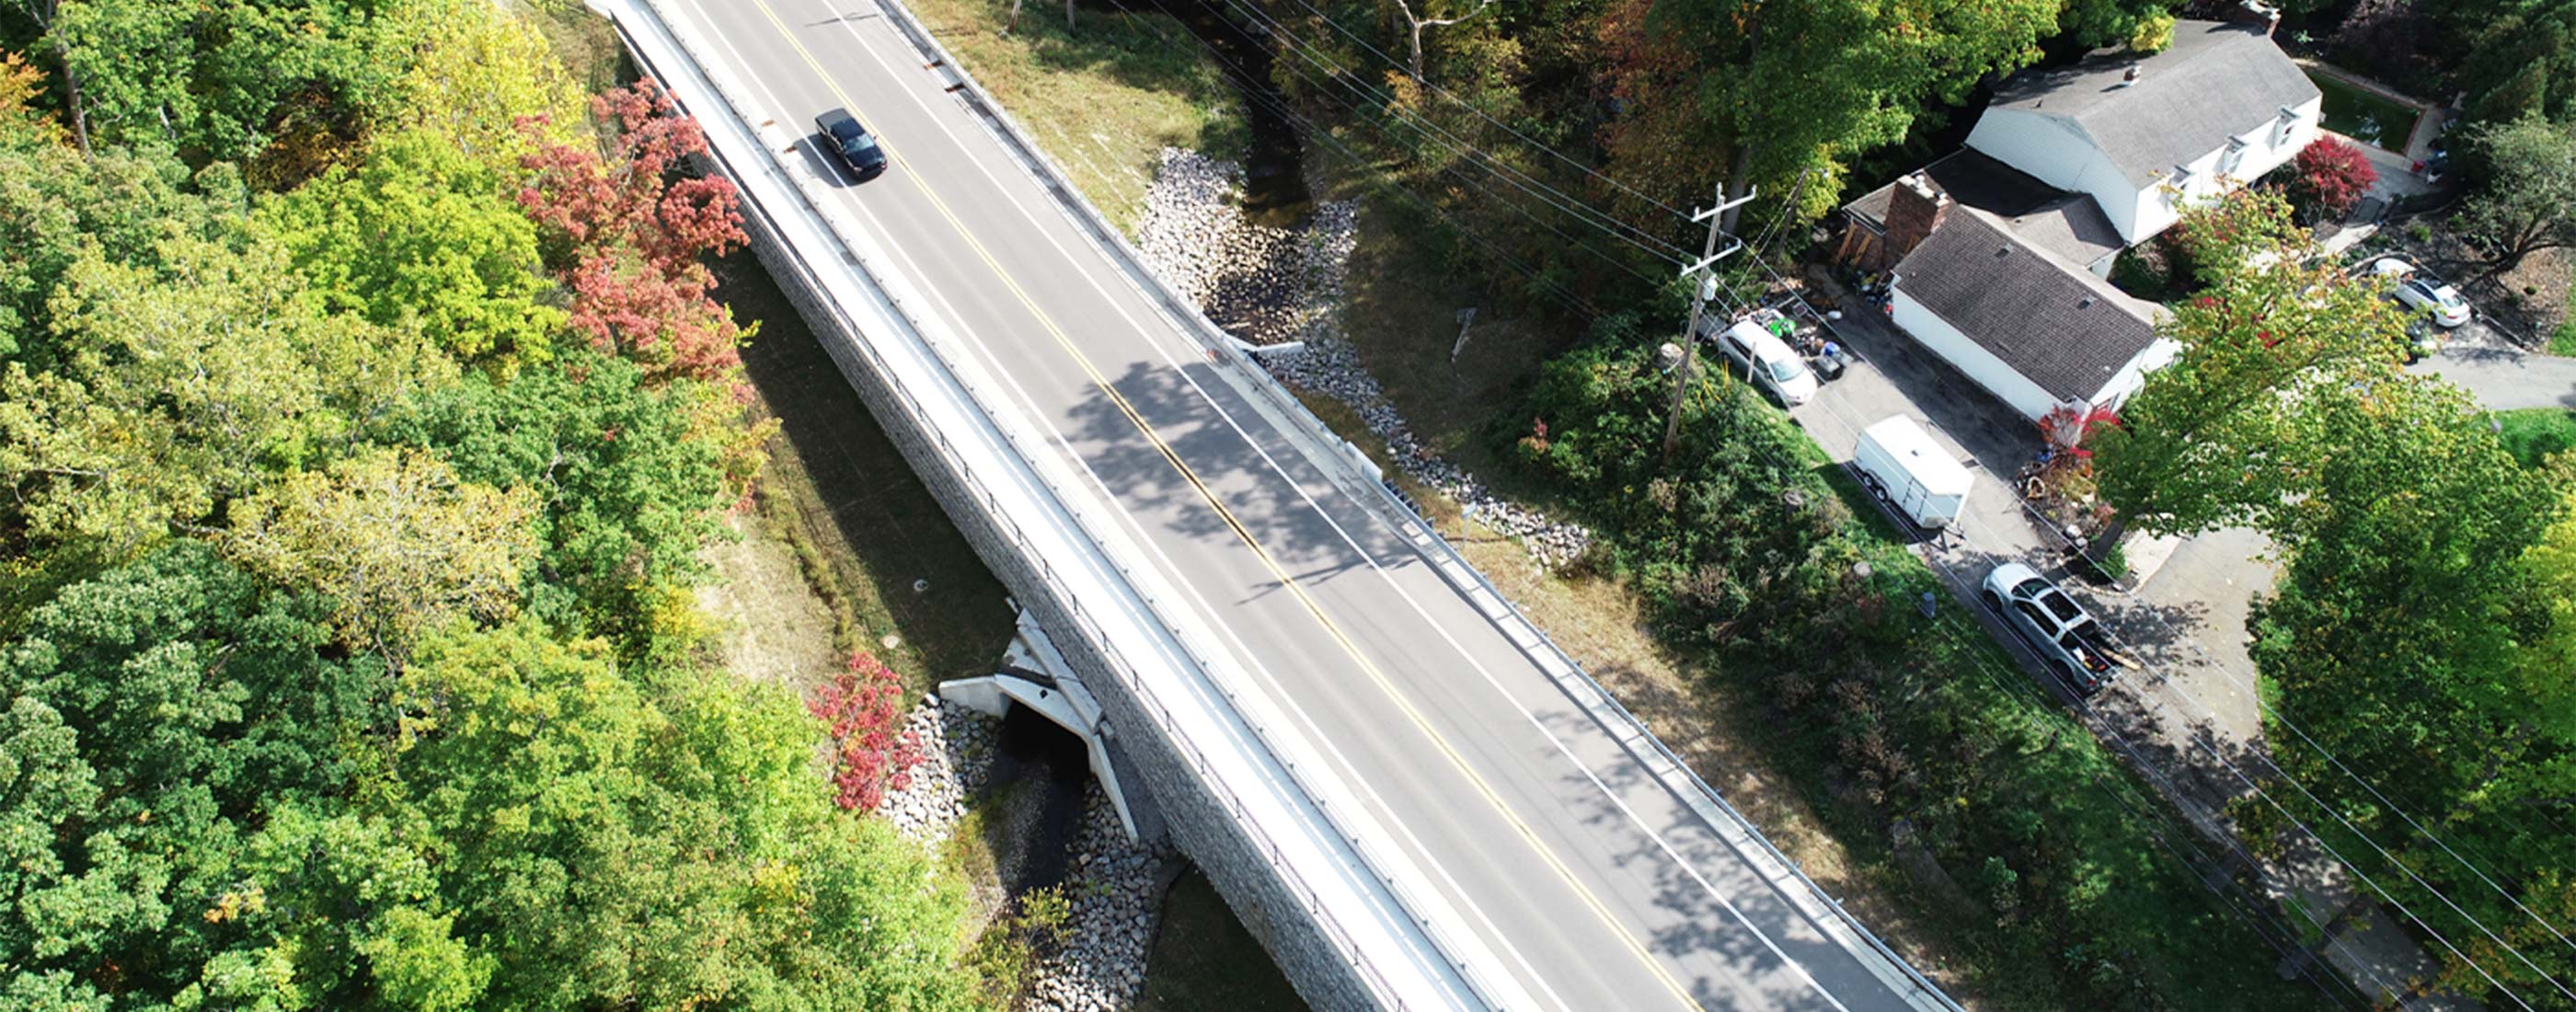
(1101, 381)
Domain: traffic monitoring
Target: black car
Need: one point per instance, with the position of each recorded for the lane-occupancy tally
(851, 143)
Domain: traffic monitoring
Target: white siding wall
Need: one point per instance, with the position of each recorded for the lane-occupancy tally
(2059, 154)
(1935, 333)
(2155, 213)
(2134, 375)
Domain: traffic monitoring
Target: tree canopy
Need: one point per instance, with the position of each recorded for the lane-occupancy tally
(348, 656)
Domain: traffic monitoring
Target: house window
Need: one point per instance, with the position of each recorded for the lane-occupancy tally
(2281, 127)
(2177, 184)
(2234, 158)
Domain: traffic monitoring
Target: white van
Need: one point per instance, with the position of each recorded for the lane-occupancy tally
(1768, 360)
(1900, 463)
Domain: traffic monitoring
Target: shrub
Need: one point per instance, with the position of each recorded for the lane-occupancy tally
(2329, 176)
(871, 752)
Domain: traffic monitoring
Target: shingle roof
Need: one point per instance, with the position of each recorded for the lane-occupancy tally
(2062, 328)
(2070, 225)
(2216, 81)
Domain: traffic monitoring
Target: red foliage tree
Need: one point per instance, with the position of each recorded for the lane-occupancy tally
(628, 237)
(2330, 175)
(871, 752)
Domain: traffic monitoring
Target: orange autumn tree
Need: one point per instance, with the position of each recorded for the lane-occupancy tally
(629, 234)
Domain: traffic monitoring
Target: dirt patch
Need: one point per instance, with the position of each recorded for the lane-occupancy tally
(772, 627)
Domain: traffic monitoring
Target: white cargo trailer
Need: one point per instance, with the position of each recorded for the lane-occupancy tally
(1900, 463)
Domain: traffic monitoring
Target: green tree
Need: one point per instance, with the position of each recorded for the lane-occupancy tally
(421, 234)
(225, 80)
(476, 70)
(395, 539)
(658, 841)
(2395, 641)
(171, 748)
(629, 478)
(2218, 438)
(185, 384)
(56, 206)
(2527, 202)
(1764, 91)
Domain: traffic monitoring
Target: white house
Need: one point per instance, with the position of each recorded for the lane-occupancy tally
(2037, 332)
(2145, 135)
(1998, 251)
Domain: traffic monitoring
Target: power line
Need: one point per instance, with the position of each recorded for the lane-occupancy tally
(2151, 814)
(1568, 296)
(1372, 95)
(2303, 826)
(1471, 107)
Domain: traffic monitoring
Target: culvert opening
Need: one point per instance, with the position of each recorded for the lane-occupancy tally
(1056, 764)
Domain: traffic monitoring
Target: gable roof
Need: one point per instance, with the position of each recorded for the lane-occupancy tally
(2070, 225)
(2063, 329)
(2216, 81)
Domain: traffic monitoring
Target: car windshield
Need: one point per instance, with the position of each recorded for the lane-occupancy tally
(859, 145)
(1785, 369)
(2449, 298)
(2029, 587)
(2058, 604)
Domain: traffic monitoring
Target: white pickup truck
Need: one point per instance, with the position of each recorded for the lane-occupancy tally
(2067, 639)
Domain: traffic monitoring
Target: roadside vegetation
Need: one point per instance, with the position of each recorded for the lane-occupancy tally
(2037, 856)
(2420, 631)
(365, 417)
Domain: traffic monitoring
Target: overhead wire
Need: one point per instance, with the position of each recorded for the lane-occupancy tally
(2267, 708)
(2155, 819)
(1472, 107)
(1536, 277)
(1361, 98)
(2311, 831)
(1367, 97)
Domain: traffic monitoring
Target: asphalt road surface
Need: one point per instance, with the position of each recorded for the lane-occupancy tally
(1596, 888)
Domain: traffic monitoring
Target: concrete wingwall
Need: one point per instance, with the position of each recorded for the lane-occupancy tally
(1329, 967)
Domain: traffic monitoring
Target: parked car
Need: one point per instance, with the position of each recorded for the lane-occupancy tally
(1768, 361)
(852, 144)
(1900, 463)
(2069, 642)
(2424, 292)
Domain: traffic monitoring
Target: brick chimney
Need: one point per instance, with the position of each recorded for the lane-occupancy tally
(1914, 208)
(2255, 12)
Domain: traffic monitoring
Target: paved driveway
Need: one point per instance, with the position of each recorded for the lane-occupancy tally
(2503, 378)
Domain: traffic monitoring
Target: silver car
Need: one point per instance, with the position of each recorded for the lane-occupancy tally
(2065, 637)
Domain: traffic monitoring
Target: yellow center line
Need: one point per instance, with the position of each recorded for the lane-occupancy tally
(1348, 646)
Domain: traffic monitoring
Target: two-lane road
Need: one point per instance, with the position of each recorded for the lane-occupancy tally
(1590, 884)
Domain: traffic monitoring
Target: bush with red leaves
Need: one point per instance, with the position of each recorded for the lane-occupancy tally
(627, 236)
(871, 752)
(2330, 175)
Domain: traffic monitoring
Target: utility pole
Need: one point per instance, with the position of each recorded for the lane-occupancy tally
(1708, 258)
